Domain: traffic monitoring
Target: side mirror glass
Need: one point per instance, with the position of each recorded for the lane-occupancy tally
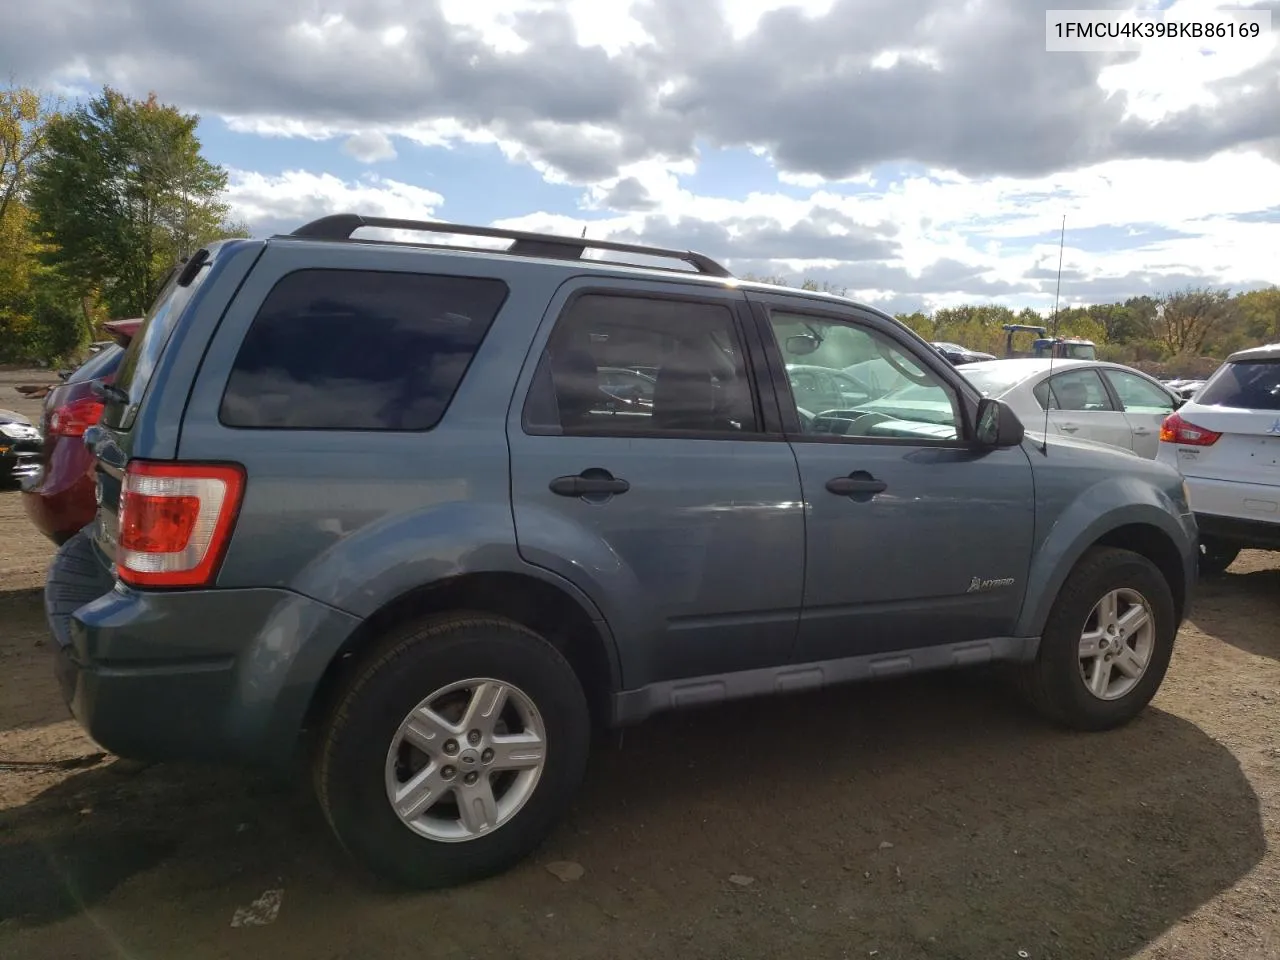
(998, 425)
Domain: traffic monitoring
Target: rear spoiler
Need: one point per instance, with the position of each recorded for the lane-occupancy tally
(122, 331)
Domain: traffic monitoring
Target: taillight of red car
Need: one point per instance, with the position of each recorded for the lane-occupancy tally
(74, 418)
(176, 521)
(1177, 430)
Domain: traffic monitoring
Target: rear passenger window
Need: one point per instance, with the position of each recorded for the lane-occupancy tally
(358, 350)
(1079, 390)
(627, 365)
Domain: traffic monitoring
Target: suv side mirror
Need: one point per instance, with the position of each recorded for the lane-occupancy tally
(998, 425)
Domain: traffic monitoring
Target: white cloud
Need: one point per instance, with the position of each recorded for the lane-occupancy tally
(620, 97)
(278, 204)
(370, 147)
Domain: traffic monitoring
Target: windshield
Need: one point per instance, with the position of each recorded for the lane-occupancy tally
(992, 381)
(1247, 385)
(148, 343)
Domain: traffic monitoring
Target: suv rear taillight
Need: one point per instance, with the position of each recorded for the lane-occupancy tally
(1177, 430)
(175, 522)
(74, 418)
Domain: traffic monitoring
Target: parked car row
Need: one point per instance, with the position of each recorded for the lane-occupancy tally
(1186, 389)
(959, 355)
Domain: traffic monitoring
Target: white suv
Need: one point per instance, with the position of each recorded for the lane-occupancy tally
(1226, 443)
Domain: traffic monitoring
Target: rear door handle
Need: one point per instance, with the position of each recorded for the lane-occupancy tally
(857, 484)
(1069, 427)
(589, 483)
(1141, 432)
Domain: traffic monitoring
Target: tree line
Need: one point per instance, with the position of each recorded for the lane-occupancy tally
(1185, 332)
(97, 202)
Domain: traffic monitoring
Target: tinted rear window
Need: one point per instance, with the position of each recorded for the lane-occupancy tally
(1250, 384)
(358, 350)
(148, 343)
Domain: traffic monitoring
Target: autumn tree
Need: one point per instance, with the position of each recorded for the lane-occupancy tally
(38, 318)
(1185, 320)
(122, 192)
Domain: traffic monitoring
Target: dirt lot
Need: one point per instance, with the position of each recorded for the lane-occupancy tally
(930, 818)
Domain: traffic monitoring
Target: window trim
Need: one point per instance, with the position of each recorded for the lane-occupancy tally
(768, 421)
(257, 310)
(761, 309)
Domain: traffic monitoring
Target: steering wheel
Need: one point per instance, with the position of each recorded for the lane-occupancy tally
(861, 392)
(863, 425)
(806, 419)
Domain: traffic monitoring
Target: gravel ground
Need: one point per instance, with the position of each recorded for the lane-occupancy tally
(930, 818)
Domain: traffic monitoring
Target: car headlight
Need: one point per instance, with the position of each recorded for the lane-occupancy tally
(17, 431)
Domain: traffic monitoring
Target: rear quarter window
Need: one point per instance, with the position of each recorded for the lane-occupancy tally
(358, 350)
(1251, 385)
(148, 344)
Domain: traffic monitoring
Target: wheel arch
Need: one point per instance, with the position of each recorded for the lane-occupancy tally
(1158, 547)
(1144, 529)
(566, 621)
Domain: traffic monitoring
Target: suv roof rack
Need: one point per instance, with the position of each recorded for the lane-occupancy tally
(340, 226)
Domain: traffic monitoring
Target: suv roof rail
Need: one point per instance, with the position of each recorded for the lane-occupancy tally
(340, 226)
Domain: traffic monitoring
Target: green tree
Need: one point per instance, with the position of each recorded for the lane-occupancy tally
(1260, 314)
(121, 192)
(920, 322)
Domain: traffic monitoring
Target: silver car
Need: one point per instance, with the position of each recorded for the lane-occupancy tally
(1105, 402)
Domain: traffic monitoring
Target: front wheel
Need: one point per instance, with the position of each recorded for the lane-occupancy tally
(454, 753)
(1107, 643)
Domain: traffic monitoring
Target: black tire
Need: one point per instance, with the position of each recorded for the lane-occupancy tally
(412, 663)
(1216, 556)
(1053, 683)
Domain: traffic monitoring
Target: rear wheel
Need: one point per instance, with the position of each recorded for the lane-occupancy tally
(1107, 643)
(1216, 556)
(455, 752)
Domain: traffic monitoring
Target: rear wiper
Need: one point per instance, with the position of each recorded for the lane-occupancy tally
(109, 392)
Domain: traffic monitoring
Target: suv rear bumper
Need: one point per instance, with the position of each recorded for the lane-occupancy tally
(186, 675)
(1256, 534)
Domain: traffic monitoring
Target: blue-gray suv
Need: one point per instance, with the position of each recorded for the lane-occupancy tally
(426, 514)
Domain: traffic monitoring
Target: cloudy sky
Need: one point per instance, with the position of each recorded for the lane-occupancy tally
(919, 152)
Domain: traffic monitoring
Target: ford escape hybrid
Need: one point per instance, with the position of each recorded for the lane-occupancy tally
(422, 514)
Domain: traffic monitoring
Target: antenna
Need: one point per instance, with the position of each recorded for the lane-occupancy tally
(1053, 345)
(584, 231)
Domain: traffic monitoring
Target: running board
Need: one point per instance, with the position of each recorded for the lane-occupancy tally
(633, 706)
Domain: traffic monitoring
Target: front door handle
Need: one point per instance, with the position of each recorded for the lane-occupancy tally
(589, 483)
(857, 484)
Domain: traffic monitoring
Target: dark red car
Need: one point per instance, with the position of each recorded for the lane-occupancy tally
(59, 498)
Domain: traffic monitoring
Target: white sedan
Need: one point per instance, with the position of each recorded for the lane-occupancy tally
(1104, 402)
